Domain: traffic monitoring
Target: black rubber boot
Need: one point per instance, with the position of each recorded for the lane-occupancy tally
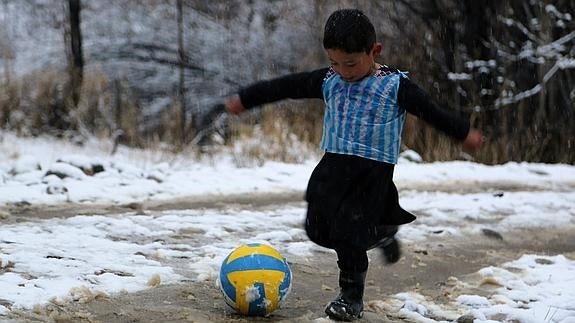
(391, 250)
(348, 306)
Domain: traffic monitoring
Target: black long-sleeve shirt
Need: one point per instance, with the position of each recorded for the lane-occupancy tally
(309, 85)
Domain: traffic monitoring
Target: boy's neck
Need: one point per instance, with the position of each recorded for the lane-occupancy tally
(373, 69)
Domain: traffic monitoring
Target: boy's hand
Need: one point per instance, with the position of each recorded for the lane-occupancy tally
(234, 105)
(473, 141)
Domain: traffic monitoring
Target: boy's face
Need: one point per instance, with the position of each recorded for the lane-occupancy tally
(354, 66)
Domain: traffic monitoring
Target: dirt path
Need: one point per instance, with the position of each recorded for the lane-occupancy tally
(23, 211)
(425, 268)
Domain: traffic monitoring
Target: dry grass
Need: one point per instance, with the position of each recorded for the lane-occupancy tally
(288, 131)
(282, 132)
(291, 131)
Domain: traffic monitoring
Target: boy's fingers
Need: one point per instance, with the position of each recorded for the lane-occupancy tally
(234, 109)
(474, 141)
(234, 105)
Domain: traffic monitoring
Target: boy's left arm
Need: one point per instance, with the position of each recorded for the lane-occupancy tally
(414, 99)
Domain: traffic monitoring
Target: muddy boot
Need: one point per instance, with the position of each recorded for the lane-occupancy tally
(348, 306)
(390, 249)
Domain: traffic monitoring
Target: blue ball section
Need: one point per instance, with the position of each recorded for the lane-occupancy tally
(258, 307)
(259, 265)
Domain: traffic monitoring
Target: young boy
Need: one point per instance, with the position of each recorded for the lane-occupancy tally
(352, 201)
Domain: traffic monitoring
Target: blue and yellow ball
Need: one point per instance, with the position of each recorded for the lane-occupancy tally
(255, 279)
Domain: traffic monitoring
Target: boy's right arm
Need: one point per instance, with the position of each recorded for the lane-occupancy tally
(293, 86)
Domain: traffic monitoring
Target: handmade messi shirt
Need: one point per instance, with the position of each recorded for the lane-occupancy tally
(352, 200)
(363, 118)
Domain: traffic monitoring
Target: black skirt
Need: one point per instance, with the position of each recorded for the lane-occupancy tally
(352, 202)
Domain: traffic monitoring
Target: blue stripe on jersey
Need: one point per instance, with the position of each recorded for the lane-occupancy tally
(398, 122)
(327, 136)
(362, 118)
(389, 136)
(352, 106)
(373, 131)
(339, 115)
(362, 112)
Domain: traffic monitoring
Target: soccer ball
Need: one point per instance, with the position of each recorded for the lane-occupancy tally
(255, 279)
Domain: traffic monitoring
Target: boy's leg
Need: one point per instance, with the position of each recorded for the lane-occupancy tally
(348, 305)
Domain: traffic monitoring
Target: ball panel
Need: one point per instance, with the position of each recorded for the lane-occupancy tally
(226, 286)
(258, 307)
(255, 262)
(246, 283)
(254, 248)
(285, 285)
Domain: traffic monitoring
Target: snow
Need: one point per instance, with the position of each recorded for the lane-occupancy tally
(67, 257)
(534, 289)
(459, 76)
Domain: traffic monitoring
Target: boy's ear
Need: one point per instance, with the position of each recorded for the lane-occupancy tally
(376, 50)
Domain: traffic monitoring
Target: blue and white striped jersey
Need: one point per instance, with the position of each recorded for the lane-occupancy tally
(363, 118)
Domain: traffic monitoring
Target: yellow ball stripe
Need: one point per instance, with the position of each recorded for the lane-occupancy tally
(261, 249)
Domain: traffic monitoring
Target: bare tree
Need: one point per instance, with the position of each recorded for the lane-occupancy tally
(181, 80)
(76, 57)
(507, 63)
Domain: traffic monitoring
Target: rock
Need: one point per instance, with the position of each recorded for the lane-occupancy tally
(87, 166)
(490, 281)
(154, 281)
(543, 261)
(24, 165)
(6, 303)
(97, 168)
(22, 204)
(138, 207)
(155, 177)
(411, 156)
(56, 189)
(327, 288)
(63, 170)
(538, 172)
(84, 295)
(492, 234)
(4, 215)
(468, 318)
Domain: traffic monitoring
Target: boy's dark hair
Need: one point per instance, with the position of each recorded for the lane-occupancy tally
(349, 30)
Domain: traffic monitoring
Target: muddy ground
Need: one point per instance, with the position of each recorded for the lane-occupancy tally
(426, 267)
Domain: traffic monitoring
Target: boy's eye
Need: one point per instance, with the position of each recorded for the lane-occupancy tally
(350, 65)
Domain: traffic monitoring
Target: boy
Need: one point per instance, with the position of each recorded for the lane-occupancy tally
(352, 201)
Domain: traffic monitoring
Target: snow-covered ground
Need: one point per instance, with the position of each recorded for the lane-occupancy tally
(63, 258)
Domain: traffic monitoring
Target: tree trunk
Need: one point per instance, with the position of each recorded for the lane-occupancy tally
(76, 64)
(181, 82)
